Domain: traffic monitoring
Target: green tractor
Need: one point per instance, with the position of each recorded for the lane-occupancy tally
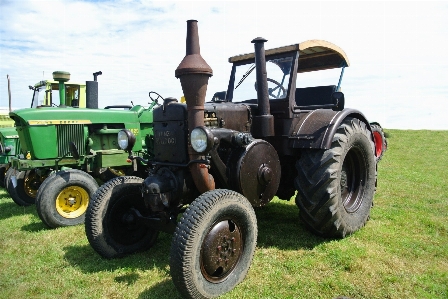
(75, 96)
(66, 151)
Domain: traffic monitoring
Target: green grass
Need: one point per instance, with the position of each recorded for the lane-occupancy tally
(401, 253)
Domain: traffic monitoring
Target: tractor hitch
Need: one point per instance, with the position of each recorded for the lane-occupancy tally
(164, 223)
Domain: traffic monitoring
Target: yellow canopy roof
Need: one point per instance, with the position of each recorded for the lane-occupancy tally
(314, 55)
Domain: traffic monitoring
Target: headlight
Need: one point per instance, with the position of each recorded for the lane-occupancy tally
(200, 141)
(126, 140)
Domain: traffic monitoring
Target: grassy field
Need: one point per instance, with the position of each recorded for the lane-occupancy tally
(401, 253)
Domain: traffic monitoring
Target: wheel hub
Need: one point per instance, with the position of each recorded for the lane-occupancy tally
(221, 250)
(71, 201)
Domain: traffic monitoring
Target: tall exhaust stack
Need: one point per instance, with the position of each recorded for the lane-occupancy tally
(263, 123)
(194, 73)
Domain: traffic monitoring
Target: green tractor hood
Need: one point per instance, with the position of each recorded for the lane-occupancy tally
(45, 133)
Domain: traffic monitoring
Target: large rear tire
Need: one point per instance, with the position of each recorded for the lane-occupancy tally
(111, 228)
(64, 196)
(335, 187)
(213, 245)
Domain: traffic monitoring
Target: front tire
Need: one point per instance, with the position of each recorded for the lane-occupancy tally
(213, 245)
(111, 228)
(336, 186)
(3, 169)
(64, 197)
(24, 190)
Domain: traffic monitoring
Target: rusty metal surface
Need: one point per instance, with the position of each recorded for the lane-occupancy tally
(221, 250)
(255, 171)
(263, 121)
(193, 63)
(230, 116)
(317, 128)
(194, 73)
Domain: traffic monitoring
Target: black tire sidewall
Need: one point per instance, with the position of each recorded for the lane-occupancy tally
(3, 169)
(17, 193)
(362, 144)
(22, 195)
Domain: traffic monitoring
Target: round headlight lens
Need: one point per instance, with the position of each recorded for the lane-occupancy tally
(198, 139)
(123, 140)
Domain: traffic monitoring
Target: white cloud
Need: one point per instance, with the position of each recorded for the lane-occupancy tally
(397, 50)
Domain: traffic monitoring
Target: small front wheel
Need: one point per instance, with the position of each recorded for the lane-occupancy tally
(213, 245)
(23, 189)
(64, 196)
(3, 169)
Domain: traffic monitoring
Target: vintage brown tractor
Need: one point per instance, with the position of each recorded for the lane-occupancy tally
(215, 161)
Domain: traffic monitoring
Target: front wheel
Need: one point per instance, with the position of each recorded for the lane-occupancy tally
(23, 187)
(111, 226)
(335, 187)
(3, 169)
(63, 197)
(213, 244)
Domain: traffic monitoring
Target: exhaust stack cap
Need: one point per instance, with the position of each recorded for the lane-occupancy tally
(193, 63)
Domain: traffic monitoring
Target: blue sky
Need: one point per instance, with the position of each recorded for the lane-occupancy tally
(398, 50)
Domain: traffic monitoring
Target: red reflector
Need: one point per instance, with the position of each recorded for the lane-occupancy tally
(128, 160)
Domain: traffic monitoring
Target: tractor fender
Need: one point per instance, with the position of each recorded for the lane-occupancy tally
(317, 128)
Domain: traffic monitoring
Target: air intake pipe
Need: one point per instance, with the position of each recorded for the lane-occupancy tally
(194, 73)
(263, 123)
(61, 77)
(92, 91)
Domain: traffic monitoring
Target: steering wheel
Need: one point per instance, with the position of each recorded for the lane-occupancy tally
(154, 96)
(282, 90)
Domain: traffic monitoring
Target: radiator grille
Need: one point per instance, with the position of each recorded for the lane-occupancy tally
(67, 134)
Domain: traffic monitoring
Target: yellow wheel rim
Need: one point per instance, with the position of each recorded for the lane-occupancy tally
(72, 202)
(117, 171)
(32, 183)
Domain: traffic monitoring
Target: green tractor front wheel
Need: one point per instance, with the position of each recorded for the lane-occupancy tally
(64, 197)
(22, 186)
(3, 169)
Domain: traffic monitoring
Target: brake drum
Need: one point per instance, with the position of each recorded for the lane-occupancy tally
(254, 171)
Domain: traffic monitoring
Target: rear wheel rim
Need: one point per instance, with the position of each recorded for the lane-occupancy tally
(353, 177)
(72, 202)
(378, 143)
(32, 183)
